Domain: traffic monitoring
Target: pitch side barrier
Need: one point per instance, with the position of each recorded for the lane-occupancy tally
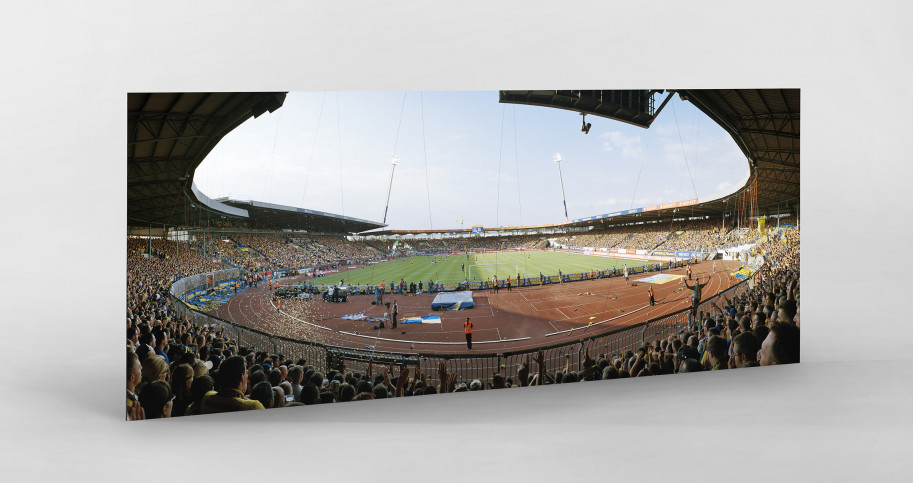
(203, 281)
(467, 366)
(435, 287)
(481, 366)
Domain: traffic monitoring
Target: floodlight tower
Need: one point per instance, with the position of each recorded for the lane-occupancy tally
(557, 159)
(394, 162)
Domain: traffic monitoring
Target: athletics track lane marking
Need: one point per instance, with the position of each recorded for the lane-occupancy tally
(433, 342)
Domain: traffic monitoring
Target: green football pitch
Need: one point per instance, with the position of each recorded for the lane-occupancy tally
(444, 269)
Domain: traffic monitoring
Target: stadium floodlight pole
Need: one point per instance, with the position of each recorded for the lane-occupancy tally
(724, 213)
(394, 162)
(563, 198)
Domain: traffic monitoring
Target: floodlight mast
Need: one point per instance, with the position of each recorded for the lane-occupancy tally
(557, 159)
(394, 162)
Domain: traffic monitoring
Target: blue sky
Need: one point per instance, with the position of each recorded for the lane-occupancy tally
(482, 162)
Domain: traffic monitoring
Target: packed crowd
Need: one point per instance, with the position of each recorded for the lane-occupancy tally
(499, 242)
(428, 246)
(167, 260)
(696, 236)
(176, 368)
(605, 238)
(699, 235)
(199, 371)
(646, 237)
(739, 236)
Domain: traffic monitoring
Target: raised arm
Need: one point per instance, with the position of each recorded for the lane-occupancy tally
(442, 375)
(387, 382)
(639, 364)
(791, 289)
(418, 375)
(401, 381)
(523, 373)
(589, 365)
(540, 360)
(713, 303)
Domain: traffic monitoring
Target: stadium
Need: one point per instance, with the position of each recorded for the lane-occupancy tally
(324, 307)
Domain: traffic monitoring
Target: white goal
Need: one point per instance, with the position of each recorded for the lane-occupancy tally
(485, 271)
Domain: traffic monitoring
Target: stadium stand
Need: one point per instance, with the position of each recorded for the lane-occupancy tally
(181, 363)
(759, 326)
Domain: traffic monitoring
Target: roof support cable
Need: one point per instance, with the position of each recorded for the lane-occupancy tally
(342, 198)
(684, 154)
(307, 174)
(421, 99)
(519, 198)
(272, 159)
(643, 162)
(498, 197)
(394, 161)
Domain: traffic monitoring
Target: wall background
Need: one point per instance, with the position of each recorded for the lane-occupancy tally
(842, 414)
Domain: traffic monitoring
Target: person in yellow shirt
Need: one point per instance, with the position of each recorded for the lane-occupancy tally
(232, 384)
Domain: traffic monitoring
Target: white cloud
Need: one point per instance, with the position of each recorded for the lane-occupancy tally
(628, 146)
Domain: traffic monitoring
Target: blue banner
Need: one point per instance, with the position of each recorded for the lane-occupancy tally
(610, 215)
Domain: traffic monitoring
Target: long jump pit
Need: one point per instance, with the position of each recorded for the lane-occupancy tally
(504, 321)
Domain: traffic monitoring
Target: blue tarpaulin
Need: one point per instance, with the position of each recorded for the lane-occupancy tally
(362, 316)
(453, 301)
(431, 319)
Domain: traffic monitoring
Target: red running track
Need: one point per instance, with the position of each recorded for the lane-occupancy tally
(518, 320)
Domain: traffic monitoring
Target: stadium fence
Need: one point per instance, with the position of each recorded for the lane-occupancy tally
(468, 366)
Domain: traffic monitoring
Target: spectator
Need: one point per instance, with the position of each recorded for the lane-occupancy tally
(156, 400)
(346, 392)
(717, 348)
(232, 384)
(745, 350)
(154, 368)
(781, 346)
(181, 381)
(134, 375)
(198, 389)
(310, 394)
(295, 375)
(263, 392)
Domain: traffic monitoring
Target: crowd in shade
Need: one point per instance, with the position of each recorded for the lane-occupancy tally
(476, 243)
(148, 272)
(177, 368)
(340, 248)
(647, 237)
(612, 237)
(699, 235)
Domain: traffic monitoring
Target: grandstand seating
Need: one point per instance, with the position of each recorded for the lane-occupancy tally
(155, 330)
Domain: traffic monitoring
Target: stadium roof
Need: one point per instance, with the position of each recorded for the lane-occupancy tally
(169, 135)
(764, 123)
(631, 106)
(280, 216)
